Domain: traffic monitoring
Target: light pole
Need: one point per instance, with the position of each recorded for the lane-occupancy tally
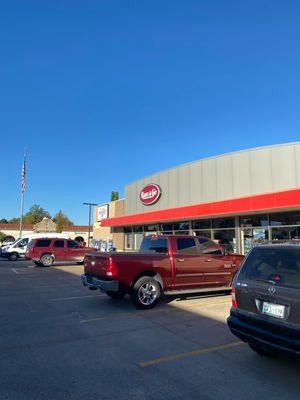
(90, 210)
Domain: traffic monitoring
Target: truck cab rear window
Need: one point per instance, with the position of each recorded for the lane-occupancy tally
(43, 243)
(279, 266)
(154, 245)
(186, 246)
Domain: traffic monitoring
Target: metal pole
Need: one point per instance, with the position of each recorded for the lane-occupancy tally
(90, 212)
(90, 207)
(23, 185)
(22, 212)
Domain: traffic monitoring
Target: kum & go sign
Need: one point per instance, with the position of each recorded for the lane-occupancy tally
(150, 194)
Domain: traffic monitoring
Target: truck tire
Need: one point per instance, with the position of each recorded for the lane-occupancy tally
(115, 295)
(46, 260)
(13, 256)
(146, 293)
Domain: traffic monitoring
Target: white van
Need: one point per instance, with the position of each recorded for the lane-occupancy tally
(18, 248)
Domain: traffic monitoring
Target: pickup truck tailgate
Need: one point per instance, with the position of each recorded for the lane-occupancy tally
(97, 264)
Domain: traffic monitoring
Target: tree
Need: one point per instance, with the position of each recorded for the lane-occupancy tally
(61, 220)
(35, 214)
(2, 236)
(114, 196)
(3, 221)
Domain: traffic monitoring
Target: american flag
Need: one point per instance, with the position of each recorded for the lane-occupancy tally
(23, 176)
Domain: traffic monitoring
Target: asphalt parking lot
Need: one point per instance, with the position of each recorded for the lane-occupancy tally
(59, 340)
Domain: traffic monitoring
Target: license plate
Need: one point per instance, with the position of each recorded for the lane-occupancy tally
(275, 310)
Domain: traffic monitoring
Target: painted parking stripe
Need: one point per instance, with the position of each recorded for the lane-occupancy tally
(178, 356)
(74, 298)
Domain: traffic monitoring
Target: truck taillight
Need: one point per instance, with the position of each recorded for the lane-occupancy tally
(32, 249)
(111, 269)
(233, 298)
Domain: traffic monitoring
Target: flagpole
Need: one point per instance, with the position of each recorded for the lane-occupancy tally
(22, 192)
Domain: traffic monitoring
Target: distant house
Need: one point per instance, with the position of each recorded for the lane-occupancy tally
(11, 230)
(45, 225)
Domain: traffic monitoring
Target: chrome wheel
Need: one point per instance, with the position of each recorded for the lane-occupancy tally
(47, 260)
(147, 293)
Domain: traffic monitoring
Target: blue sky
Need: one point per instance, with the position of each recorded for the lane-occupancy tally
(104, 92)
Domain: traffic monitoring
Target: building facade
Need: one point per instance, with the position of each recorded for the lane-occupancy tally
(239, 199)
(104, 233)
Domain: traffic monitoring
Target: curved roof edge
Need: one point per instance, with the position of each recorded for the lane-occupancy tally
(215, 156)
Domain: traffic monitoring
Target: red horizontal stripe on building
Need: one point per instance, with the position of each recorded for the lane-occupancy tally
(258, 202)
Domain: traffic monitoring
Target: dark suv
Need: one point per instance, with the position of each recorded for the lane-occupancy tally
(265, 309)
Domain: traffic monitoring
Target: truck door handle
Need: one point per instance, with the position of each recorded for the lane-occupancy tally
(208, 260)
(181, 260)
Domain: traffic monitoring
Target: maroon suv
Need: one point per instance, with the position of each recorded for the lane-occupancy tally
(48, 250)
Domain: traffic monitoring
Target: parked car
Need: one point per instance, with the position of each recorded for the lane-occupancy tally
(45, 251)
(166, 264)
(265, 309)
(18, 248)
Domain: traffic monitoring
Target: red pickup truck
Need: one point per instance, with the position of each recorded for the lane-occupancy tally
(45, 251)
(166, 264)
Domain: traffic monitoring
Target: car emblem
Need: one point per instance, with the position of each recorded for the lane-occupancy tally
(272, 290)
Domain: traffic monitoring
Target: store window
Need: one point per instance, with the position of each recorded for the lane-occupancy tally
(226, 238)
(254, 220)
(221, 223)
(138, 229)
(150, 228)
(288, 218)
(182, 226)
(285, 233)
(252, 236)
(128, 241)
(166, 227)
(201, 224)
(205, 233)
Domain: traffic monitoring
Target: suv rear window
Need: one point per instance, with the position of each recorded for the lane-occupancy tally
(280, 266)
(154, 245)
(43, 243)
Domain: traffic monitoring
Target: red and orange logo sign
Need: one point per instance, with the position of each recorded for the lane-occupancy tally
(150, 194)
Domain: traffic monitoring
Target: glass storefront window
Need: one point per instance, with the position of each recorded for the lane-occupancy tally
(287, 218)
(128, 241)
(201, 224)
(205, 233)
(250, 237)
(223, 223)
(182, 226)
(286, 233)
(138, 228)
(254, 220)
(166, 227)
(127, 229)
(150, 228)
(226, 238)
(182, 232)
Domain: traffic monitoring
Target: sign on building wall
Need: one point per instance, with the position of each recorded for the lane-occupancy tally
(150, 194)
(102, 212)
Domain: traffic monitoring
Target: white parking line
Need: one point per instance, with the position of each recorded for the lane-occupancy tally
(16, 272)
(73, 298)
